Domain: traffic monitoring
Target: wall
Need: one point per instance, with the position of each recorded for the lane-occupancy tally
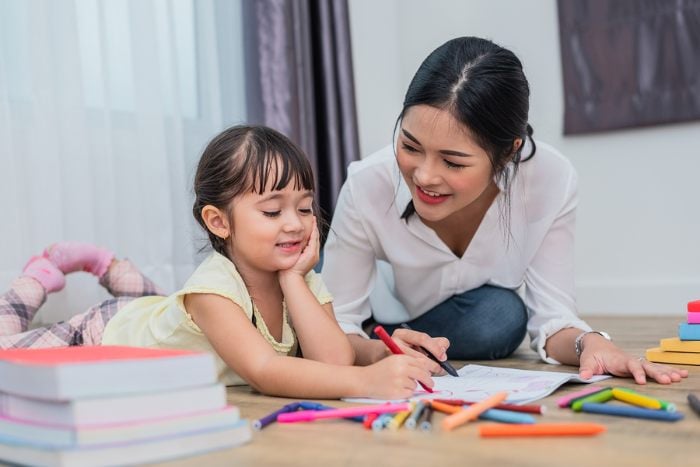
(637, 225)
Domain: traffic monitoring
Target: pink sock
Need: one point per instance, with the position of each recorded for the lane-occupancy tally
(77, 256)
(45, 272)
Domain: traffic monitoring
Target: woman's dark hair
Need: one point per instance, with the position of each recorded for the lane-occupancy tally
(246, 159)
(483, 86)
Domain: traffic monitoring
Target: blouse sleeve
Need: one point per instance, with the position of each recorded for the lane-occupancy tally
(349, 264)
(549, 279)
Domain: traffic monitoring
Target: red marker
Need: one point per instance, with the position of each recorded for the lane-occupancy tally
(389, 342)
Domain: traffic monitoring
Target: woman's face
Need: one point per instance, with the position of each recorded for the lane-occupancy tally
(443, 166)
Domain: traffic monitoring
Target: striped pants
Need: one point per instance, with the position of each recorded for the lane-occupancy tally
(19, 305)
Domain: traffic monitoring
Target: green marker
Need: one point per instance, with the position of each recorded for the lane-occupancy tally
(600, 396)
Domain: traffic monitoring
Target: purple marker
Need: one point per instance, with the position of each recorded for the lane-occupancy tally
(267, 419)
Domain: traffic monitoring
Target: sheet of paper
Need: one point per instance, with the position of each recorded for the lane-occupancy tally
(477, 382)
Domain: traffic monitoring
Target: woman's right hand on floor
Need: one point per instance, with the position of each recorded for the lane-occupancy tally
(395, 377)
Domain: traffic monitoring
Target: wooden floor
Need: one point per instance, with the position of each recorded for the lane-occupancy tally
(627, 441)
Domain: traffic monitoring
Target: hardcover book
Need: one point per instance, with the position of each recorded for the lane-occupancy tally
(65, 373)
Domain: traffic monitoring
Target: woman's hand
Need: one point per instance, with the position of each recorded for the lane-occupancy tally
(395, 377)
(309, 255)
(601, 356)
(411, 341)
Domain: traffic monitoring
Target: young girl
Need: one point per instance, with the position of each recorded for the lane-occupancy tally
(464, 228)
(254, 302)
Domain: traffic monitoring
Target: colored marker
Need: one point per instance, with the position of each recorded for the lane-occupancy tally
(389, 342)
(506, 416)
(412, 421)
(472, 412)
(369, 419)
(539, 409)
(694, 403)
(600, 396)
(267, 419)
(444, 365)
(495, 414)
(542, 429)
(426, 422)
(640, 400)
(310, 415)
(444, 407)
(308, 405)
(566, 400)
(634, 412)
(382, 421)
(400, 418)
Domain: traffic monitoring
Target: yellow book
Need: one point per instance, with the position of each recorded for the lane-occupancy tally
(674, 344)
(680, 358)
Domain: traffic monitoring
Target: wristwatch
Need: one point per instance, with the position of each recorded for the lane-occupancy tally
(578, 344)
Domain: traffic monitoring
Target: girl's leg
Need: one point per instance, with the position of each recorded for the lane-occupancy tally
(83, 329)
(26, 295)
(119, 277)
(123, 279)
(482, 324)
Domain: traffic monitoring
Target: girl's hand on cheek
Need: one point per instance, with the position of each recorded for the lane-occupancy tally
(309, 255)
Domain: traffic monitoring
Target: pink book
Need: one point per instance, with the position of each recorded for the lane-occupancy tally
(65, 373)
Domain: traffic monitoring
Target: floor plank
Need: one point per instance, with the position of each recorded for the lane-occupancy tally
(627, 441)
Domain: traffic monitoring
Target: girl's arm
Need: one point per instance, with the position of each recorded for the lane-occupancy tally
(246, 352)
(319, 335)
(318, 332)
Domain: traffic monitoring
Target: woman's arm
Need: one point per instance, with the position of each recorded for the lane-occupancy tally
(600, 356)
(247, 353)
(554, 324)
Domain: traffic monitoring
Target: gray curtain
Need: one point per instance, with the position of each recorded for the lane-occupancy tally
(299, 81)
(629, 63)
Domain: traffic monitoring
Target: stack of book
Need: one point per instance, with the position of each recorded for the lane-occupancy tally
(110, 405)
(684, 349)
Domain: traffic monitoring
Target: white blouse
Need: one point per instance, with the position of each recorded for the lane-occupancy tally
(376, 263)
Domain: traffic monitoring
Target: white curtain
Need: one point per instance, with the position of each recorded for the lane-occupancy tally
(105, 107)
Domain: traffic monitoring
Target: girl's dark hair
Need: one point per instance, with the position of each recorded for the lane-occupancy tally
(246, 159)
(483, 86)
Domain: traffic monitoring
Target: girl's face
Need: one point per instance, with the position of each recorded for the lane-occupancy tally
(270, 230)
(443, 166)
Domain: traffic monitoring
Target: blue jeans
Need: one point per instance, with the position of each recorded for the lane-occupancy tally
(482, 324)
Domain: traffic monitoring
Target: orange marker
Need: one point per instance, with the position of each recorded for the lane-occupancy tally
(445, 408)
(542, 429)
(473, 411)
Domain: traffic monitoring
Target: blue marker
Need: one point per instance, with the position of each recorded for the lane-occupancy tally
(634, 412)
(506, 416)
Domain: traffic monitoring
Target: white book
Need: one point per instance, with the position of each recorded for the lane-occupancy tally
(114, 409)
(57, 436)
(156, 450)
(65, 373)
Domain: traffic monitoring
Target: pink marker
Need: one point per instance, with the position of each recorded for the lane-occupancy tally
(566, 400)
(310, 415)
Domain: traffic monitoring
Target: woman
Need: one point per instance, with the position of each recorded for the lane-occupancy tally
(465, 227)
